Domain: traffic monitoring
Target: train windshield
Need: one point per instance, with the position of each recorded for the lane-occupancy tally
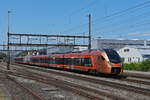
(113, 55)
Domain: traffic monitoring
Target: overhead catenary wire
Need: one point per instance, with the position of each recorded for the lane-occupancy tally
(121, 23)
(126, 11)
(108, 20)
(130, 29)
(78, 11)
(119, 13)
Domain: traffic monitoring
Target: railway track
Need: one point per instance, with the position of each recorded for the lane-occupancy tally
(137, 76)
(102, 82)
(136, 81)
(18, 91)
(78, 89)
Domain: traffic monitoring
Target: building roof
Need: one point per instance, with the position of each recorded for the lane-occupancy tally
(142, 51)
(125, 42)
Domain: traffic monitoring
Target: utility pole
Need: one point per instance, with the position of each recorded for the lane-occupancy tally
(89, 46)
(8, 52)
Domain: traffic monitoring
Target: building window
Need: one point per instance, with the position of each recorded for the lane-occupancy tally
(129, 59)
(138, 59)
(126, 50)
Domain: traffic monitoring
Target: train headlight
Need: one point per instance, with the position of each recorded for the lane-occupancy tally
(109, 63)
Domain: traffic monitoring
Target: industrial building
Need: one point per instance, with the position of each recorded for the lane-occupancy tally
(117, 44)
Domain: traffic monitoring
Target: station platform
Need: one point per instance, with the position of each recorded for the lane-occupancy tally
(4, 94)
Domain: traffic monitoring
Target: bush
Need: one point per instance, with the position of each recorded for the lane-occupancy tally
(143, 66)
(131, 66)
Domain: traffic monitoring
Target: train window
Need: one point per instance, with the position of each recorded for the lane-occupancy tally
(45, 60)
(32, 59)
(40, 60)
(102, 58)
(67, 61)
(53, 60)
(59, 60)
(35, 60)
(82, 62)
(87, 62)
(19, 59)
(113, 56)
(77, 61)
(50, 60)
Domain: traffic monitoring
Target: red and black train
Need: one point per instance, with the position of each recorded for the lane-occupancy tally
(102, 61)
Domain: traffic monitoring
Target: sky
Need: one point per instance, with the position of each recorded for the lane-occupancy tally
(112, 19)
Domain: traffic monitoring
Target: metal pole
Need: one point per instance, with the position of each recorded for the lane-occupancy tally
(89, 47)
(8, 52)
(3, 46)
(20, 39)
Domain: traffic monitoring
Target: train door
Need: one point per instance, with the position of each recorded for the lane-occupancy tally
(63, 61)
(72, 63)
(53, 62)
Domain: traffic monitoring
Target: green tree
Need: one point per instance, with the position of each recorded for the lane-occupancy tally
(24, 53)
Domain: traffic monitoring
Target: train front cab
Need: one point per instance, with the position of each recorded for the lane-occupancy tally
(109, 62)
(114, 61)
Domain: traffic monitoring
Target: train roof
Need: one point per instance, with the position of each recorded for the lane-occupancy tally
(78, 53)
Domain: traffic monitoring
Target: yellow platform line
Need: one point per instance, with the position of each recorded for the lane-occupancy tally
(1, 96)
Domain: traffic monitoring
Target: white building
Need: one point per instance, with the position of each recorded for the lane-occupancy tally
(134, 54)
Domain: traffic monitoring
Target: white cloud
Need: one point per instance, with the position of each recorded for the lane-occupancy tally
(139, 34)
(134, 33)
